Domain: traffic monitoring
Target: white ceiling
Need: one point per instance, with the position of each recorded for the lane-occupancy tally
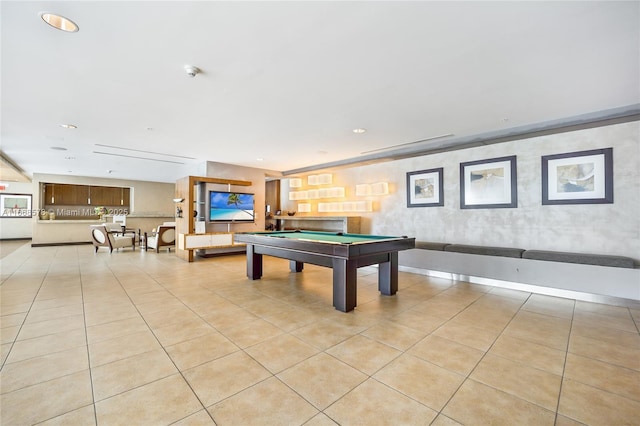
(287, 82)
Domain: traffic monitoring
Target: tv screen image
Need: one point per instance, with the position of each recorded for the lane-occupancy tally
(231, 207)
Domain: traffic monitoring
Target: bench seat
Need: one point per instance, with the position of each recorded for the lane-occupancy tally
(428, 245)
(485, 250)
(582, 258)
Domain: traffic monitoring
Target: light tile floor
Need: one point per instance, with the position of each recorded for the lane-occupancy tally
(135, 338)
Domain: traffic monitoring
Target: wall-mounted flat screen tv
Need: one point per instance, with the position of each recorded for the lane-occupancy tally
(231, 207)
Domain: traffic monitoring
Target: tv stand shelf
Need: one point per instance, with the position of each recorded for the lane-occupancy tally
(348, 224)
(207, 241)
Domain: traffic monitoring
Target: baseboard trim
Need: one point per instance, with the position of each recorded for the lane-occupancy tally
(548, 291)
(60, 244)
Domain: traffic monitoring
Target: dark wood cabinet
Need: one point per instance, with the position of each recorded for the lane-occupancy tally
(61, 194)
(84, 197)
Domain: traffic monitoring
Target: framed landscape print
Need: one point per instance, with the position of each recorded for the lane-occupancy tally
(425, 188)
(584, 177)
(15, 205)
(489, 184)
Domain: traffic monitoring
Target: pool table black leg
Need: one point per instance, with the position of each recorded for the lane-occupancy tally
(345, 274)
(254, 263)
(295, 266)
(388, 275)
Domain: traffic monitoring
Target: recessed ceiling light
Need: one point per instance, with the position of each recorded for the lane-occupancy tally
(59, 22)
(59, 148)
(69, 126)
(359, 130)
(259, 159)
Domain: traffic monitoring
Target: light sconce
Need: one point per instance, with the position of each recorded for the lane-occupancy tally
(178, 208)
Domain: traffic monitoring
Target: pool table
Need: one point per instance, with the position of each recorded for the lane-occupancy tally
(345, 253)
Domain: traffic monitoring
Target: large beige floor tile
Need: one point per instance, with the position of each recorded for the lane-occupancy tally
(593, 406)
(54, 313)
(320, 419)
(170, 316)
(9, 334)
(482, 318)
(521, 296)
(533, 385)
(542, 329)
(601, 375)
(325, 334)
(418, 320)
(162, 402)
(96, 315)
(620, 355)
(12, 320)
(530, 354)
(227, 316)
(269, 403)
(125, 374)
(182, 331)
(478, 404)
(447, 354)
(251, 333)
(624, 323)
(223, 377)
(35, 403)
(602, 309)
(201, 418)
(281, 352)
(51, 343)
(111, 350)
(421, 380)
(292, 318)
(394, 335)
(373, 403)
(85, 416)
(53, 326)
(113, 329)
(474, 337)
(322, 379)
(364, 354)
(18, 375)
(607, 335)
(197, 351)
(443, 420)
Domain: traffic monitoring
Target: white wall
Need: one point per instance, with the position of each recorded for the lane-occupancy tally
(586, 228)
(14, 228)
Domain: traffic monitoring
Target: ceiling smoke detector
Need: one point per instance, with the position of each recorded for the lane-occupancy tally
(191, 70)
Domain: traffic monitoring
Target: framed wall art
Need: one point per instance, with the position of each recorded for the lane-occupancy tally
(489, 184)
(425, 188)
(15, 205)
(584, 177)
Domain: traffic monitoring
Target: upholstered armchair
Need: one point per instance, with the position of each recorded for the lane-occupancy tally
(122, 221)
(163, 236)
(102, 237)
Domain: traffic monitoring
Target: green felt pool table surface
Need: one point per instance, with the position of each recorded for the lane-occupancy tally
(325, 237)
